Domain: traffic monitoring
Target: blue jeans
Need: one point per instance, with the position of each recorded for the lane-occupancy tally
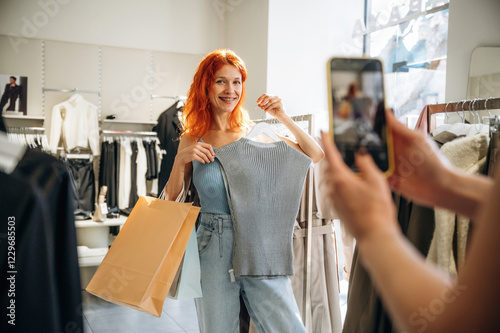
(269, 301)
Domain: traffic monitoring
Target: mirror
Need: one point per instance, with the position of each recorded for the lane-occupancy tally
(484, 73)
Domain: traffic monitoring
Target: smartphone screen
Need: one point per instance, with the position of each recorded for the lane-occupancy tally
(357, 110)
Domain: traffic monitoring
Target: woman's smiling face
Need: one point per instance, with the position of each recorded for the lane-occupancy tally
(225, 92)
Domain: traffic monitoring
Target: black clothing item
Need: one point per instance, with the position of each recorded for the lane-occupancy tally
(154, 159)
(365, 311)
(3, 128)
(133, 175)
(12, 94)
(82, 171)
(169, 130)
(152, 163)
(493, 155)
(36, 207)
(149, 170)
(108, 171)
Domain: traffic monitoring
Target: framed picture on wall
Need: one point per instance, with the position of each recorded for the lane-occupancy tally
(14, 94)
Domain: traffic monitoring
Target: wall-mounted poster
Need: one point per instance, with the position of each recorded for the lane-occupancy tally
(14, 94)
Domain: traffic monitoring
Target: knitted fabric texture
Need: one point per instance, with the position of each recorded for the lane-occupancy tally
(469, 155)
(264, 184)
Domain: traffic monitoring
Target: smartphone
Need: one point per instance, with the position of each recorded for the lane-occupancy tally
(357, 110)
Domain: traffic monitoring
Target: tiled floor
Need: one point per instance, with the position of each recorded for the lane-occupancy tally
(179, 316)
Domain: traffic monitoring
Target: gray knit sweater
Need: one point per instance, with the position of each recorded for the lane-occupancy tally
(264, 183)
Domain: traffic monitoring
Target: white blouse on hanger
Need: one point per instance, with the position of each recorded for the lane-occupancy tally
(76, 122)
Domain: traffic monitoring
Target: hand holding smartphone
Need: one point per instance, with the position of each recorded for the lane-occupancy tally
(357, 110)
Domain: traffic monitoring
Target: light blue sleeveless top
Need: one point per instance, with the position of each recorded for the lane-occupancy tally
(207, 178)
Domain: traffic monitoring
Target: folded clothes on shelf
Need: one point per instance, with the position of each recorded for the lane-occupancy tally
(84, 251)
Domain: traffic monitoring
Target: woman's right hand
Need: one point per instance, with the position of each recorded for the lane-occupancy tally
(421, 170)
(194, 151)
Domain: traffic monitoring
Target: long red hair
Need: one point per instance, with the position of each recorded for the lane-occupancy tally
(197, 114)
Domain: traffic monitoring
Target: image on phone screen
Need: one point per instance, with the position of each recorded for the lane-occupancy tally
(357, 109)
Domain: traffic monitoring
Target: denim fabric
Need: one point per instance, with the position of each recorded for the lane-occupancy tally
(270, 301)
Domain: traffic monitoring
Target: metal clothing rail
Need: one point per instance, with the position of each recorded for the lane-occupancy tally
(464, 106)
(306, 316)
(177, 98)
(110, 132)
(21, 130)
(75, 90)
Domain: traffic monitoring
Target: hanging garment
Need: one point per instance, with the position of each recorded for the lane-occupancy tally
(159, 157)
(133, 175)
(493, 153)
(149, 169)
(469, 155)
(82, 172)
(142, 166)
(422, 121)
(3, 128)
(365, 311)
(124, 175)
(264, 183)
(348, 245)
(324, 293)
(35, 197)
(76, 123)
(151, 154)
(108, 171)
(169, 130)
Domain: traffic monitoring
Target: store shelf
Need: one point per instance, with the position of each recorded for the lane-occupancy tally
(10, 116)
(108, 223)
(90, 261)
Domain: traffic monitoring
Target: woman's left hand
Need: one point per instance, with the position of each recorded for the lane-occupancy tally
(272, 105)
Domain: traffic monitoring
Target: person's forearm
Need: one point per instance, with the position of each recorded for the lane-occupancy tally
(308, 145)
(405, 282)
(462, 193)
(175, 182)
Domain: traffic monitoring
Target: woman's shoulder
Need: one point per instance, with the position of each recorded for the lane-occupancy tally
(186, 138)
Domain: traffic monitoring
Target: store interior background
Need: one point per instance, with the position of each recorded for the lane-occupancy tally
(284, 43)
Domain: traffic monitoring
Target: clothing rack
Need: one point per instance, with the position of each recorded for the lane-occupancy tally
(75, 91)
(110, 132)
(464, 106)
(309, 118)
(22, 130)
(31, 136)
(177, 98)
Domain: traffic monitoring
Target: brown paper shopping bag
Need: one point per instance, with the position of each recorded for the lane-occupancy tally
(142, 262)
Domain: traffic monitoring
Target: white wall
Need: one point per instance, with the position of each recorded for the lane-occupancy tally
(284, 43)
(471, 24)
(302, 37)
(246, 24)
(187, 26)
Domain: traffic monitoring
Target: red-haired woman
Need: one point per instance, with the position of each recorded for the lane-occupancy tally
(214, 117)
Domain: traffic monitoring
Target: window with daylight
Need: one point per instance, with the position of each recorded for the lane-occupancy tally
(410, 37)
